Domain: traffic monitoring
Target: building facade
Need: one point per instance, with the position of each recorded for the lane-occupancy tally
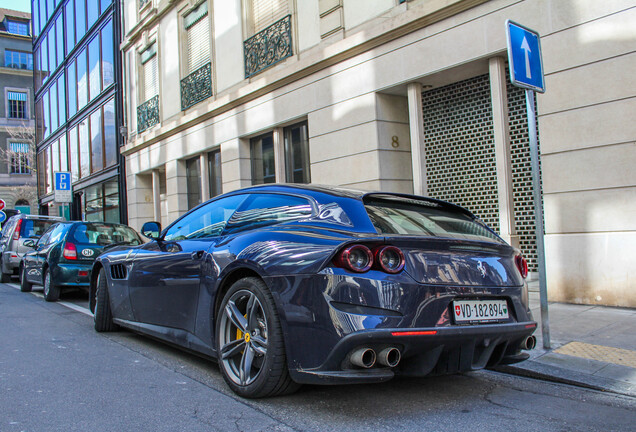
(78, 106)
(17, 114)
(406, 96)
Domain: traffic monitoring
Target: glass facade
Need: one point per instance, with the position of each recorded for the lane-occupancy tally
(76, 102)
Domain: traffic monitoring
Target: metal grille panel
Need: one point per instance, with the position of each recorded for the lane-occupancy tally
(460, 151)
(522, 174)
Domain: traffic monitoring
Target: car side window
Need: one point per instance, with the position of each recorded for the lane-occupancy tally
(44, 240)
(267, 209)
(206, 221)
(56, 233)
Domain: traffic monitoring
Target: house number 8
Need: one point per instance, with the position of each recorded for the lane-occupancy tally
(395, 141)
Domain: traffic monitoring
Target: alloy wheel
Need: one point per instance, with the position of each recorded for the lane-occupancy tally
(243, 337)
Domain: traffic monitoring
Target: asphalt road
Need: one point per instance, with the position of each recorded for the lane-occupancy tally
(58, 374)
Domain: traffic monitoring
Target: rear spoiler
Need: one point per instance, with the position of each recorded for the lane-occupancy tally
(418, 200)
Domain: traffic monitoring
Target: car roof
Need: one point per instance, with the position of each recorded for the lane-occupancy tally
(312, 189)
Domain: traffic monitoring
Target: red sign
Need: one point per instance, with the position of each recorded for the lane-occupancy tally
(2, 204)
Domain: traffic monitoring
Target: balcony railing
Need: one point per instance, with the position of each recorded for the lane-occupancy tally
(268, 47)
(143, 3)
(196, 87)
(148, 114)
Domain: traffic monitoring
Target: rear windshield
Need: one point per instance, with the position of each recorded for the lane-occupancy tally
(409, 217)
(34, 228)
(103, 234)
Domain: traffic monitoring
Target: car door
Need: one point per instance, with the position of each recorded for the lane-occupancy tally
(164, 281)
(34, 259)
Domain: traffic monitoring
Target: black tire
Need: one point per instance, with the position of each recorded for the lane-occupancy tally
(25, 285)
(103, 316)
(267, 373)
(51, 291)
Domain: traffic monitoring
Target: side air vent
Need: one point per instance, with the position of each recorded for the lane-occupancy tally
(118, 271)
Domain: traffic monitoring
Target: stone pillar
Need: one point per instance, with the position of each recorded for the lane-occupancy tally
(156, 195)
(176, 189)
(501, 128)
(279, 155)
(416, 126)
(205, 177)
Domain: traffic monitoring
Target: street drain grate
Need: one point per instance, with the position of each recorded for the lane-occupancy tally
(600, 353)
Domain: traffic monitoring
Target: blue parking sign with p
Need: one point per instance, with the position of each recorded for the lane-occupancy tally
(524, 57)
(63, 181)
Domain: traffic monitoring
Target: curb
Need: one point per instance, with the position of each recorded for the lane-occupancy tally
(536, 370)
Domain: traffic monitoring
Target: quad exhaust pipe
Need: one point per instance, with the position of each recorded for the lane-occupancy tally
(367, 357)
(529, 343)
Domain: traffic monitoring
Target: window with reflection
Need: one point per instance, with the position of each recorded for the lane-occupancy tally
(262, 159)
(84, 146)
(297, 154)
(193, 181)
(72, 89)
(102, 202)
(110, 134)
(18, 59)
(97, 155)
(207, 221)
(61, 99)
(108, 57)
(17, 27)
(80, 23)
(69, 11)
(82, 80)
(73, 145)
(93, 65)
(214, 171)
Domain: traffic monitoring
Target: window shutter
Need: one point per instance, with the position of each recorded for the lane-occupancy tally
(267, 12)
(197, 25)
(151, 79)
(17, 96)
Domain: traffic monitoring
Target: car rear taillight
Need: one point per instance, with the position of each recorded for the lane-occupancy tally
(18, 227)
(357, 258)
(70, 251)
(522, 265)
(389, 258)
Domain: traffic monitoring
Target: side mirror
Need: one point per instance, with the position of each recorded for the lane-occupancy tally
(152, 230)
(29, 243)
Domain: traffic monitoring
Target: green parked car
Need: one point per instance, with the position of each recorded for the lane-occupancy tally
(62, 258)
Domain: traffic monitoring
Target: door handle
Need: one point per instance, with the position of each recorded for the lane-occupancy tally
(197, 254)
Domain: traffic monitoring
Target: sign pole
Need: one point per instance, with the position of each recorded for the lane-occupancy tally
(538, 217)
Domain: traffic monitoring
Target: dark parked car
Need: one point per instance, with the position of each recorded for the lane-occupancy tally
(62, 258)
(18, 229)
(299, 284)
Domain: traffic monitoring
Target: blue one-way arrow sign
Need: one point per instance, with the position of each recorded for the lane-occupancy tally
(524, 57)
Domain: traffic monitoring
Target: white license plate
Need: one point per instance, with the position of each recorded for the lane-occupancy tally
(479, 310)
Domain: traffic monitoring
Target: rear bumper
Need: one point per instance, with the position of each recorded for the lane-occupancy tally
(436, 351)
(68, 275)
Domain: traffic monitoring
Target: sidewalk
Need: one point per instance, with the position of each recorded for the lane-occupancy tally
(591, 346)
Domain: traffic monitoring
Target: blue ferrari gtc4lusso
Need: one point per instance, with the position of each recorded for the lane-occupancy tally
(292, 284)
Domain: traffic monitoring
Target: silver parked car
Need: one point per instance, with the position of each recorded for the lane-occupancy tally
(15, 231)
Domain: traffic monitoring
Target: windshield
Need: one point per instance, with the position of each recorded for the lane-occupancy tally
(409, 217)
(104, 234)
